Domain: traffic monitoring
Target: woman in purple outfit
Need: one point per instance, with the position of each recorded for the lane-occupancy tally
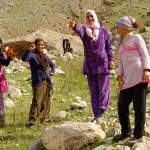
(98, 61)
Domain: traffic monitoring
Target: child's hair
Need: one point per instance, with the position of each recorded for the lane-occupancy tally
(136, 25)
(38, 40)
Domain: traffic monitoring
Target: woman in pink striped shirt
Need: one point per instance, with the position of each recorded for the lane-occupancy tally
(133, 77)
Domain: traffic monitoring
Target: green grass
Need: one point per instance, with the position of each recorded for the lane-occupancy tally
(17, 136)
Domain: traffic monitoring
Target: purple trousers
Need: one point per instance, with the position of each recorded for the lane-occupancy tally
(2, 107)
(99, 86)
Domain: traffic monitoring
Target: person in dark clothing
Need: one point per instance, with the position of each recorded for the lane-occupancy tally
(66, 46)
(41, 81)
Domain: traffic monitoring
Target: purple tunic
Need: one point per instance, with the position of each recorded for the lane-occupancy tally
(97, 55)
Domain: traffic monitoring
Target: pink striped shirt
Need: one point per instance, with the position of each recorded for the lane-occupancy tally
(132, 61)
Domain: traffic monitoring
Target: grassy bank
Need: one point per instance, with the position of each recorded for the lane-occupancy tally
(16, 135)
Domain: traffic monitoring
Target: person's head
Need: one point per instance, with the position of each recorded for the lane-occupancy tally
(39, 43)
(90, 17)
(125, 25)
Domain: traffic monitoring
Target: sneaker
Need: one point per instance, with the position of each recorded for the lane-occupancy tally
(134, 140)
(100, 113)
(120, 137)
(98, 116)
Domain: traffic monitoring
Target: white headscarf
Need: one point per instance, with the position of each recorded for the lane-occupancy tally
(125, 22)
(92, 30)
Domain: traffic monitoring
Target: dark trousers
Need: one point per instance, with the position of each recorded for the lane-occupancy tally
(41, 101)
(137, 95)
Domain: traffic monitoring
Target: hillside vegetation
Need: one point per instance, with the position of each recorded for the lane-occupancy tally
(19, 17)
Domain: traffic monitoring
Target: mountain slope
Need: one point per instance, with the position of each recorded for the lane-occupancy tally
(18, 17)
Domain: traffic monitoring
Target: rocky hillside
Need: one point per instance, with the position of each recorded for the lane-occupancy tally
(18, 17)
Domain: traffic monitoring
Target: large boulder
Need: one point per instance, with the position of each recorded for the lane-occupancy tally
(53, 41)
(74, 135)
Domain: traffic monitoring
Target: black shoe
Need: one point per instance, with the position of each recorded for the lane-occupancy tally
(120, 137)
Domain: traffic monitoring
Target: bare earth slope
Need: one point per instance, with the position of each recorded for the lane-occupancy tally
(18, 17)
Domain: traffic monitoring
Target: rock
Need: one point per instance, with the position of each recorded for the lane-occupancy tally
(147, 131)
(110, 147)
(67, 56)
(8, 71)
(9, 103)
(79, 105)
(144, 145)
(113, 131)
(104, 125)
(108, 141)
(74, 135)
(53, 40)
(89, 119)
(101, 147)
(16, 93)
(35, 146)
(78, 98)
(60, 116)
(120, 147)
(59, 71)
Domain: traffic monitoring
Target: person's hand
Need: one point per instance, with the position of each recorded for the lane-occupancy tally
(10, 52)
(120, 82)
(32, 47)
(72, 23)
(146, 75)
(112, 64)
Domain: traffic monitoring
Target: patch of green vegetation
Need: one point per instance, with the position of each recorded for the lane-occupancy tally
(17, 136)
